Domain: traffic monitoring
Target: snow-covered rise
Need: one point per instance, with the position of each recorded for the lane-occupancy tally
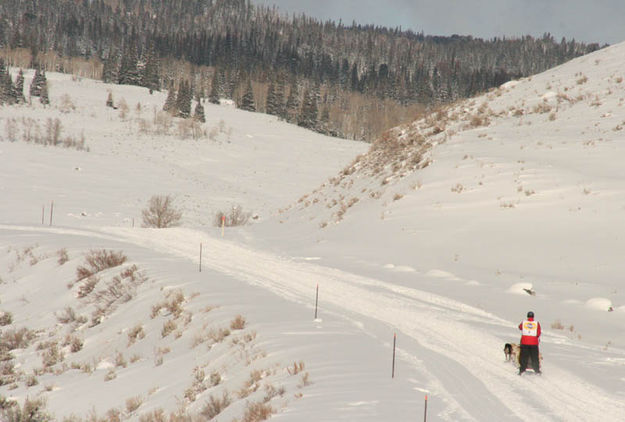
(509, 202)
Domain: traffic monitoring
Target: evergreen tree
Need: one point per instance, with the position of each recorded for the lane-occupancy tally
(198, 115)
(247, 102)
(170, 101)
(213, 96)
(271, 107)
(110, 67)
(308, 115)
(128, 70)
(275, 99)
(150, 76)
(324, 121)
(37, 83)
(280, 89)
(183, 100)
(19, 86)
(292, 103)
(43, 94)
(7, 91)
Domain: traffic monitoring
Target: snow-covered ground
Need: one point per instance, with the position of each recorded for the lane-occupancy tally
(524, 192)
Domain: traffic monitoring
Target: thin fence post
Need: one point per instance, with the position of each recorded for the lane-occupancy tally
(133, 222)
(316, 300)
(425, 410)
(51, 210)
(43, 211)
(394, 344)
(200, 257)
(223, 224)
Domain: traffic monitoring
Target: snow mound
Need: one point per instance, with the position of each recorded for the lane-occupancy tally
(599, 303)
(521, 288)
(400, 268)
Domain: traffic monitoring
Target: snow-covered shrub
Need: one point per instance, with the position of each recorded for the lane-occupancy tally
(31, 381)
(190, 128)
(110, 375)
(99, 260)
(10, 130)
(236, 217)
(161, 212)
(33, 410)
(16, 338)
(120, 360)
(66, 104)
(238, 323)
(63, 256)
(53, 131)
(257, 411)
(123, 109)
(109, 100)
(75, 344)
(296, 368)
(172, 303)
(214, 406)
(69, 316)
(133, 403)
(135, 333)
(168, 327)
(271, 392)
(305, 380)
(6, 318)
(51, 354)
(87, 286)
(162, 122)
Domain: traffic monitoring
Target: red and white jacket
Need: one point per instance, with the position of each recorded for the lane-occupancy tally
(530, 332)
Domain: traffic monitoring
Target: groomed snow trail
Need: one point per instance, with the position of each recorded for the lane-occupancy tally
(478, 385)
(446, 327)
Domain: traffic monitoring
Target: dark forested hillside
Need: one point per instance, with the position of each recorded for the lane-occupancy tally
(349, 80)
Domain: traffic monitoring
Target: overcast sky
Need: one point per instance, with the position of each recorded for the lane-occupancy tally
(601, 21)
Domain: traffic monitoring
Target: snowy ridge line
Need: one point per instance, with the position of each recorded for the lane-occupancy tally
(563, 395)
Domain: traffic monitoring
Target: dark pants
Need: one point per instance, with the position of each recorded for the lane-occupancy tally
(529, 352)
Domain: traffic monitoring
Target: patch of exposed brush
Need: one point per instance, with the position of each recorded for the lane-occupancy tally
(101, 289)
(99, 260)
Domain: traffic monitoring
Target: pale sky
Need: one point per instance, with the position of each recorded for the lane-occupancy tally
(601, 21)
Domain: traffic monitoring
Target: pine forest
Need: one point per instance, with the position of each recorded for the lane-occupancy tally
(347, 80)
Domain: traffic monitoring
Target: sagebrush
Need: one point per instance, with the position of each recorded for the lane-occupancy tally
(161, 212)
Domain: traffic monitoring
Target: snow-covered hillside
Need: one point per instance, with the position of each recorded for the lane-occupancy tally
(445, 233)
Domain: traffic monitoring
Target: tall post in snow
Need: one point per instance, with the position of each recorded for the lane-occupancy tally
(394, 344)
(51, 210)
(316, 300)
(425, 410)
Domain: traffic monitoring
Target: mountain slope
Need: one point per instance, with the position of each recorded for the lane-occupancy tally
(455, 219)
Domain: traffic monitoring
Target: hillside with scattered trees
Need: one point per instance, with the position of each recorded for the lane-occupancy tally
(349, 80)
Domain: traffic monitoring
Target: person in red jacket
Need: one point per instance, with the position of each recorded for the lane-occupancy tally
(529, 343)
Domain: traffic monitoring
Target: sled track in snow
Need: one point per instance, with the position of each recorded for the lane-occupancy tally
(441, 325)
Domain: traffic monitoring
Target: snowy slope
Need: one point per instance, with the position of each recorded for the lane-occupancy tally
(518, 190)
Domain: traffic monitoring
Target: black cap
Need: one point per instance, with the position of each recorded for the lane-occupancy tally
(530, 314)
